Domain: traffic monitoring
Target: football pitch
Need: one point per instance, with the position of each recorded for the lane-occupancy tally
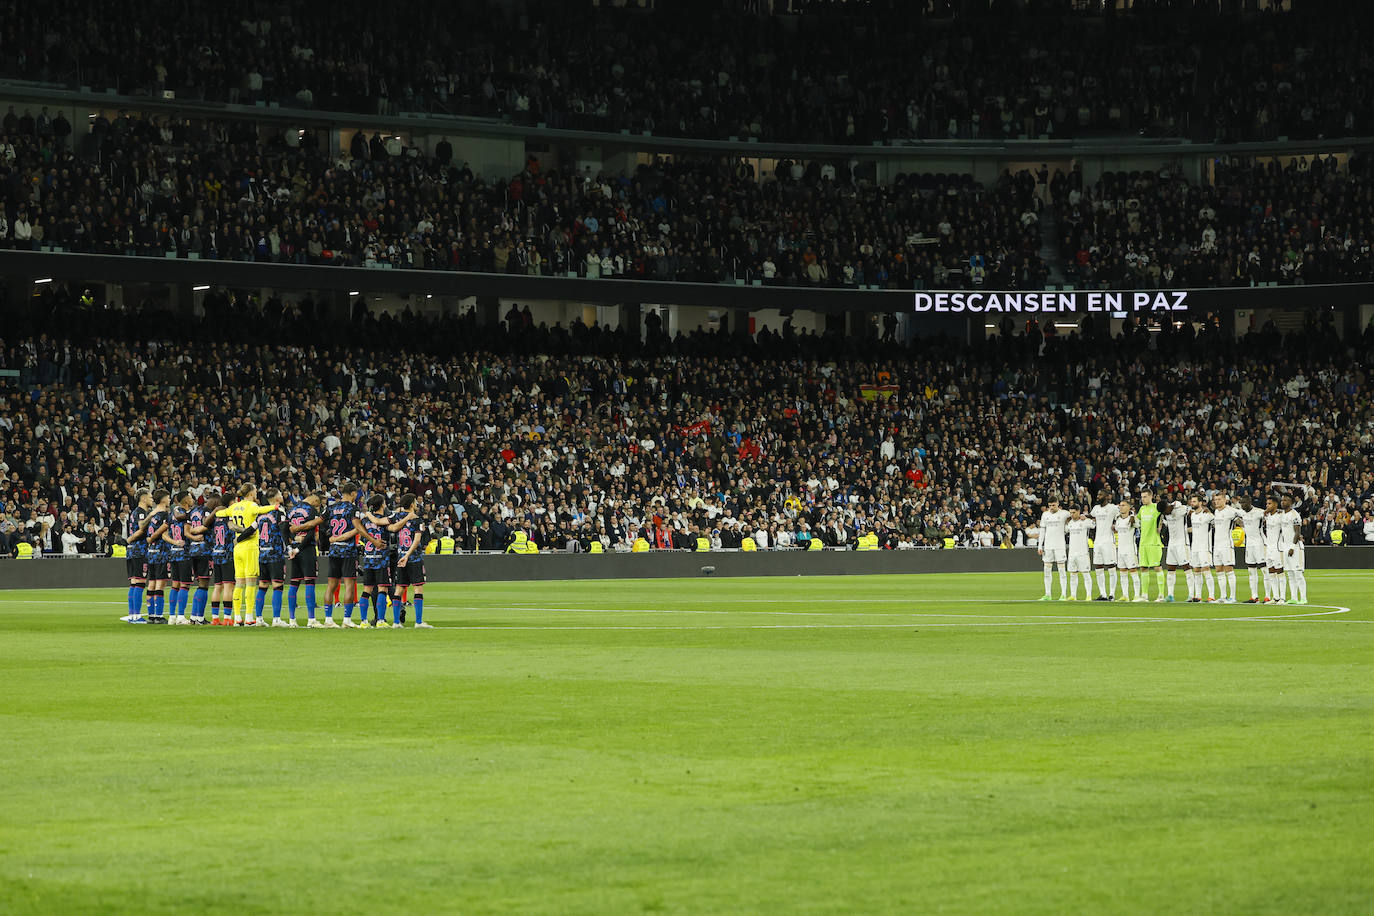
(847, 744)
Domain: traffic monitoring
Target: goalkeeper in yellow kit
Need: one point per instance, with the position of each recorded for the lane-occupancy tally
(243, 514)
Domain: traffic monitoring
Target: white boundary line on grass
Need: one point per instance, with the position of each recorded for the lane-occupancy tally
(1018, 621)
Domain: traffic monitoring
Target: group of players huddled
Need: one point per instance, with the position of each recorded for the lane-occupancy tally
(233, 554)
(1118, 541)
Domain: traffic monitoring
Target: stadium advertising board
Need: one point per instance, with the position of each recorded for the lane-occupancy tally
(1142, 302)
(1072, 302)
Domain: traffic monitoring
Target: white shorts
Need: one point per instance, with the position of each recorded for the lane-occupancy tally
(1224, 556)
(1273, 558)
(1298, 559)
(1200, 559)
(1080, 563)
(1104, 553)
(1054, 555)
(1254, 554)
(1177, 555)
(1126, 558)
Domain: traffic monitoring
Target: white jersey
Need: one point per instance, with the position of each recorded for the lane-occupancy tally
(1221, 531)
(1177, 524)
(1052, 529)
(1125, 530)
(1271, 531)
(1253, 521)
(1079, 532)
(1104, 516)
(1201, 521)
(1289, 522)
(1104, 545)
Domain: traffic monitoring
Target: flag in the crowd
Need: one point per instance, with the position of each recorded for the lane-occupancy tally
(700, 428)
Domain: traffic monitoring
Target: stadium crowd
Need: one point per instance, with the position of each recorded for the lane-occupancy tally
(216, 190)
(727, 70)
(1286, 222)
(582, 433)
(171, 187)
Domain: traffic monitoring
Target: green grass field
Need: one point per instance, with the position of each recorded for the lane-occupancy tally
(884, 744)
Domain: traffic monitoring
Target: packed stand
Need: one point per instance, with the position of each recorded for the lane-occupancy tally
(579, 434)
(1290, 221)
(184, 188)
(691, 70)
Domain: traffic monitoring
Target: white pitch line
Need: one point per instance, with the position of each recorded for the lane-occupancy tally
(1334, 609)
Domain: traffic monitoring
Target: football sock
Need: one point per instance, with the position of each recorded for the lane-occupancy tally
(238, 600)
(291, 599)
(1231, 584)
(129, 600)
(259, 602)
(1063, 581)
(1159, 583)
(419, 609)
(310, 599)
(137, 608)
(364, 602)
(1112, 577)
(1292, 575)
(276, 604)
(379, 606)
(1221, 586)
(1281, 584)
(1087, 586)
(1102, 582)
(1192, 582)
(202, 596)
(1210, 581)
(1300, 576)
(1135, 583)
(1073, 593)
(214, 609)
(1170, 581)
(1049, 577)
(1254, 582)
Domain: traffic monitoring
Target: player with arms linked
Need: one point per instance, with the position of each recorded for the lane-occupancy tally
(343, 528)
(376, 561)
(136, 560)
(178, 560)
(198, 533)
(305, 521)
(157, 555)
(411, 539)
(272, 539)
(222, 542)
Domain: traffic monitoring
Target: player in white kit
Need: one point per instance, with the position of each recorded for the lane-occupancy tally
(1200, 554)
(1053, 547)
(1273, 574)
(1080, 562)
(1224, 518)
(1293, 552)
(1127, 564)
(1104, 549)
(1252, 520)
(1176, 555)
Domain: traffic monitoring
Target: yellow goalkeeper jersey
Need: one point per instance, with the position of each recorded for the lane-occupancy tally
(244, 513)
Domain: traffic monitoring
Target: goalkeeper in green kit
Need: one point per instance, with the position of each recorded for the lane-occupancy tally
(1151, 548)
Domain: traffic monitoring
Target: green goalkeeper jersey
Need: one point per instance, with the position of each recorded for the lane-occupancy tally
(1149, 524)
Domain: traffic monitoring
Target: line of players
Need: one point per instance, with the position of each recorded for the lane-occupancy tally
(1126, 542)
(235, 555)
